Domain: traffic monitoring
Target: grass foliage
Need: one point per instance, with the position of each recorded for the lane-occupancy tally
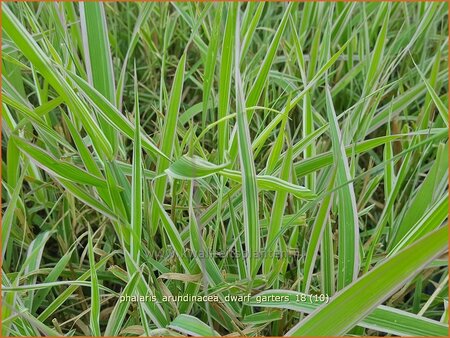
(152, 150)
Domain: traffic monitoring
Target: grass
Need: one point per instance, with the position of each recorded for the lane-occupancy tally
(255, 169)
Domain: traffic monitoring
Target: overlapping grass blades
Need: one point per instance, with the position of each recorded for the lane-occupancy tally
(154, 153)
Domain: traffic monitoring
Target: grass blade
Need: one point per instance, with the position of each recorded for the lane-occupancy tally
(168, 139)
(249, 191)
(348, 264)
(98, 57)
(136, 184)
(226, 71)
(358, 299)
(95, 290)
(120, 310)
(383, 318)
(190, 325)
(55, 167)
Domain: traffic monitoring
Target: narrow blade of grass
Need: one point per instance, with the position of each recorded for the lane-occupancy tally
(94, 318)
(56, 167)
(226, 71)
(249, 185)
(98, 58)
(136, 183)
(348, 264)
(357, 300)
(190, 325)
(383, 318)
(120, 310)
(168, 139)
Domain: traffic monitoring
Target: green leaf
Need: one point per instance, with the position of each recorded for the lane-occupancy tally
(210, 63)
(316, 237)
(120, 310)
(168, 138)
(98, 57)
(192, 326)
(193, 167)
(262, 317)
(357, 300)
(95, 290)
(8, 215)
(56, 167)
(249, 186)
(442, 108)
(348, 265)
(383, 318)
(276, 216)
(136, 183)
(226, 71)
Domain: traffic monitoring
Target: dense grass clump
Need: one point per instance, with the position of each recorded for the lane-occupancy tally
(224, 168)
